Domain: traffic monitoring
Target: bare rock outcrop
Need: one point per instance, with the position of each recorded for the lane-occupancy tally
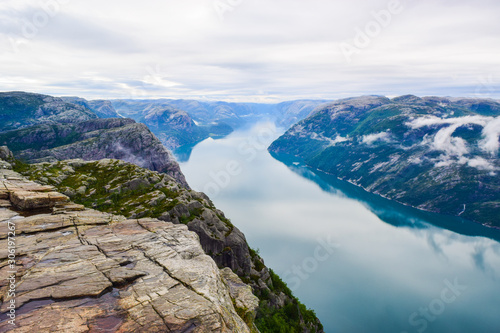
(80, 270)
(123, 188)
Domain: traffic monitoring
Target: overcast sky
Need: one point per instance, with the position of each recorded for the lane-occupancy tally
(250, 50)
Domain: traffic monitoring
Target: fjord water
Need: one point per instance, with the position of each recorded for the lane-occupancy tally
(363, 263)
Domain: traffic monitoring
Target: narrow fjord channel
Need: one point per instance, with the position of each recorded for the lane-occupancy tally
(364, 264)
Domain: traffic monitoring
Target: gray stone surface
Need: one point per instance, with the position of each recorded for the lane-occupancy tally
(81, 270)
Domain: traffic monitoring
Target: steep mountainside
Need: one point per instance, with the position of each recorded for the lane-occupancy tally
(174, 127)
(237, 114)
(102, 108)
(230, 114)
(94, 139)
(183, 123)
(81, 270)
(117, 187)
(20, 109)
(44, 128)
(435, 154)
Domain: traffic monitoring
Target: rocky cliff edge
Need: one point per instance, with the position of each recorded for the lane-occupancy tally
(80, 270)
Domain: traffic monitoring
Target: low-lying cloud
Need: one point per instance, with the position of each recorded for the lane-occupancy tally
(454, 148)
(491, 134)
(371, 138)
(444, 140)
(331, 142)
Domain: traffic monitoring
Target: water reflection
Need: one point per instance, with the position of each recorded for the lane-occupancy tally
(391, 261)
(387, 210)
(183, 153)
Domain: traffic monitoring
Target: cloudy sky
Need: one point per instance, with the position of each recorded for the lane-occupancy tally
(250, 50)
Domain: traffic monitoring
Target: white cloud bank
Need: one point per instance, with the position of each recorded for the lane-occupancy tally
(259, 51)
(371, 138)
(444, 141)
(331, 142)
(476, 162)
(455, 148)
(491, 133)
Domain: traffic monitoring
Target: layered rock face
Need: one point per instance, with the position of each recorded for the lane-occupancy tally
(91, 140)
(80, 270)
(44, 128)
(115, 186)
(6, 156)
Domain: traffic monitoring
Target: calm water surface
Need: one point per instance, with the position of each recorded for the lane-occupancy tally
(364, 264)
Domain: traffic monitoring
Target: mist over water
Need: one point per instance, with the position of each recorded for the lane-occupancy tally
(364, 264)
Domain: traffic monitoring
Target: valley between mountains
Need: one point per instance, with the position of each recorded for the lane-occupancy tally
(73, 149)
(108, 224)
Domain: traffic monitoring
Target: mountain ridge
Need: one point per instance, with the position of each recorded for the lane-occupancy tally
(102, 108)
(20, 109)
(431, 153)
(119, 138)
